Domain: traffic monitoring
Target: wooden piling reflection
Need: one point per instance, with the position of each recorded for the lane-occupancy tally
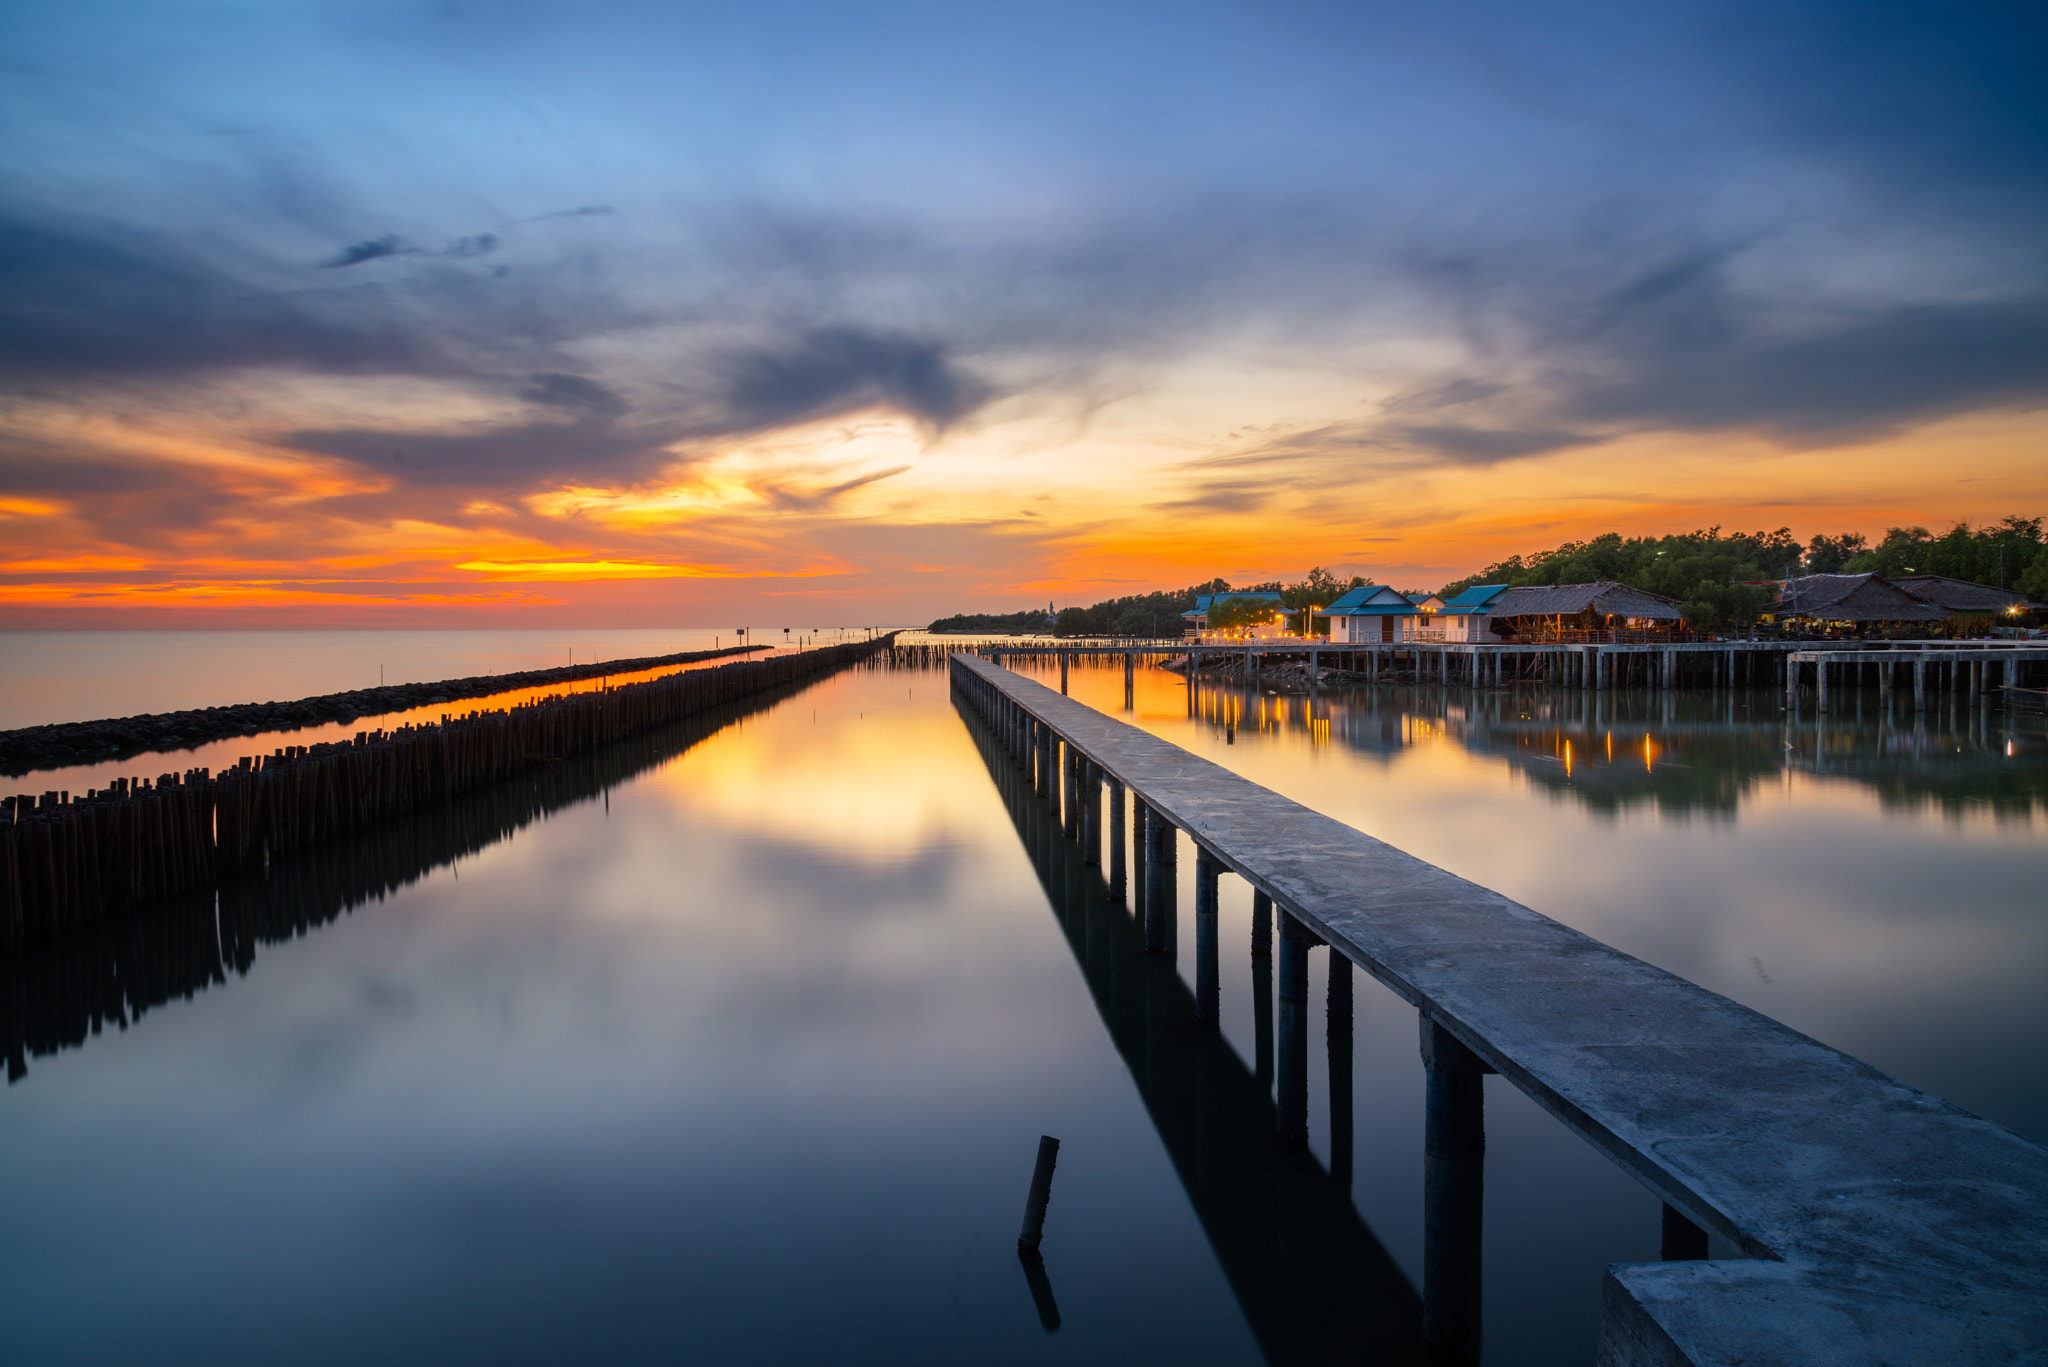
(108, 975)
(66, 865)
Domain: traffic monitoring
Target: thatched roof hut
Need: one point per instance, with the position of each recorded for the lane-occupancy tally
(1962, 597)
(1578, 611)
(1569, 600)
(1850, 598)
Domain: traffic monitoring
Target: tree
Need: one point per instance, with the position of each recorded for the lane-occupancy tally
(2034, 583)
(1903, 551)
(1704, 570)
(1232, 613)
(1827, 554)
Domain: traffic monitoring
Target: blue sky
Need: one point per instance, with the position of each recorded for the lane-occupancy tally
(462, 266)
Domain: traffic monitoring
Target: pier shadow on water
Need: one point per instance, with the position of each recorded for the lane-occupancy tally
(1314, 1283)
(59, 996)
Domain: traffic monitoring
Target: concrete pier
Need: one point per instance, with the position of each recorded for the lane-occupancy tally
(1871, 1221)
(1961, 667)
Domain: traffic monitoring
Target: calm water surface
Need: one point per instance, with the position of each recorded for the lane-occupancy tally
(735, 1045)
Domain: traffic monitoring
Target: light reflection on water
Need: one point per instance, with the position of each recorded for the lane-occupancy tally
(741, 1053)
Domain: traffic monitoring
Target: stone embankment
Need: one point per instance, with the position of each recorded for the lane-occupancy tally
(88, 742)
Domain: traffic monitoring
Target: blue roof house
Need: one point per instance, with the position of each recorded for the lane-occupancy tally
(1467, 617)
(1372, 615)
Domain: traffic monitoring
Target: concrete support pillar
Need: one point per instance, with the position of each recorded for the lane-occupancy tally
(1208, 989)
(1141, 850)
(1340, 1068)
(1453, 1196)
(1295, 939)
(1131, 679)
(1070, 793)
(1262, 991)
(1683, 1241)
(1820, 684)
(1063, 673)
(1976, 681)
(1091, 814)
(1119, 876)
(1920, 685)
(1057, 796)
(1159, 837)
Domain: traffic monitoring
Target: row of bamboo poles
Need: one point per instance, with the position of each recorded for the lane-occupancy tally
(110, 975)
(67, 863)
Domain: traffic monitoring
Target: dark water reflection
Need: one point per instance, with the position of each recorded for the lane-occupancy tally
(1315, 1284)
(735, 1045)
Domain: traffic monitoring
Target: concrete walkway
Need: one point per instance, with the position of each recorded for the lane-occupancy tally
(1881, 1224)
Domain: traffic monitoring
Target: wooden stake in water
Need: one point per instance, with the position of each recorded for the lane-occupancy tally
(1041, 1192)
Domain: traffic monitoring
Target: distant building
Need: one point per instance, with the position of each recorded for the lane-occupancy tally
(1833, 602)
(1963, 598)
(1465, 618)
(1603, 611)
(1372, 615)
(1198, 620)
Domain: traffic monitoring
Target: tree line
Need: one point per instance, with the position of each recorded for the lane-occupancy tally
(1150, 616)
(1706, 570)
(1710, 572)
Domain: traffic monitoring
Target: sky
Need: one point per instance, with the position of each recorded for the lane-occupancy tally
(536, 313)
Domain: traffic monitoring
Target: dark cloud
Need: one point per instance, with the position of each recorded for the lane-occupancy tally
(1462, 445)
(1860, 375)
(586, 211)
(814, 375)
(85, 301)
(506, 456)
(586, 398)
(355, 255)
(827, 371)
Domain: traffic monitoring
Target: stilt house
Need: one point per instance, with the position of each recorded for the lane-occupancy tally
(1374, 614)
(1844, 603)
(1584, 612)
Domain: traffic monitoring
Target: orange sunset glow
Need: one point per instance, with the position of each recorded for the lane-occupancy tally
(867, 517)
(523, 340)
